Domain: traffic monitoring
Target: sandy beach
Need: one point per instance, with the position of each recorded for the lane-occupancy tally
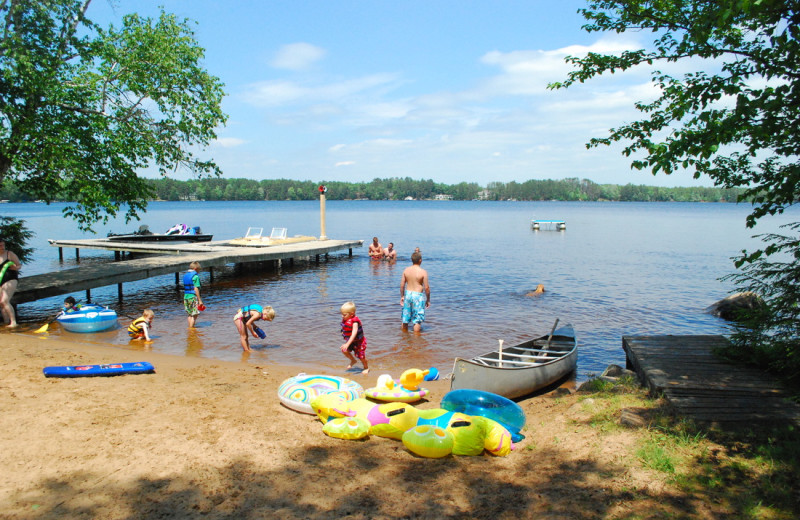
(208, 439)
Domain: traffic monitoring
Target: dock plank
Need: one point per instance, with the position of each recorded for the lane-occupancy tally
(165, 259)
(701, 386)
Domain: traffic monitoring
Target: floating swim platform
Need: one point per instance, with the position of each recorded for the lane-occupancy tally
(548, 225)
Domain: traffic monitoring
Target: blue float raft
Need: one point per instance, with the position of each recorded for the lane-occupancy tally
(112, 369)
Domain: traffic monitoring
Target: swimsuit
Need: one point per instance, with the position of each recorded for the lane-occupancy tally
(136, 328)
(244, 312)
(6, 273)
(414, 307)
(359, 344)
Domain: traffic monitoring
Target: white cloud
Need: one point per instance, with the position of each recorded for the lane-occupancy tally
(344, 163)
(284, 92)
(297, 56)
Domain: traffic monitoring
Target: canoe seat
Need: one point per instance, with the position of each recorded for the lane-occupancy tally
(508, 363)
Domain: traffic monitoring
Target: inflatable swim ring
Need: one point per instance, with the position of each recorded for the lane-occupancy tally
(297, 392)
(489, 405)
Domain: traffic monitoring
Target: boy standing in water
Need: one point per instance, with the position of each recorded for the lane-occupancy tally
(415, 293)
(353, 334)
(191, 293)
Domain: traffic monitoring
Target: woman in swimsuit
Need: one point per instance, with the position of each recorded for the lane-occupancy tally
(9, 274)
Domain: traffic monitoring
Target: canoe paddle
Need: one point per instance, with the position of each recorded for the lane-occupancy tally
(550, 337)
(44, 327)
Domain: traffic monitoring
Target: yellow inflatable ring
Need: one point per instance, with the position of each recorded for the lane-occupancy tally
(297, 392)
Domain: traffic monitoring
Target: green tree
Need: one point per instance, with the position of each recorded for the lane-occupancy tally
(83, 109)
(737, 125)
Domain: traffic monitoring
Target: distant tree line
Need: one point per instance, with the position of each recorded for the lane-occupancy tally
(398, 189)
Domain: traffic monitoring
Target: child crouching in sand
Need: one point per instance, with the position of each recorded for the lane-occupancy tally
(140, 327)
(353, 333)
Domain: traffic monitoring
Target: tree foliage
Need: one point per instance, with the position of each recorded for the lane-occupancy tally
(83, 109)
(398, 189)
(739, 125)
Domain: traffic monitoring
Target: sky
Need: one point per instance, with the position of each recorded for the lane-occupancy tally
(448, 90)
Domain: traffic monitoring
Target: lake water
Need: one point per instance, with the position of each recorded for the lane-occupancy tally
(618, 269)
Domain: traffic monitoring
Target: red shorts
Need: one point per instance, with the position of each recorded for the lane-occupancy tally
(360, 351)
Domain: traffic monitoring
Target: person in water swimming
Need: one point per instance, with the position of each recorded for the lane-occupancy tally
(140, 327)
(245, 320)
(9, 276)
(353, 334)
(191, 293)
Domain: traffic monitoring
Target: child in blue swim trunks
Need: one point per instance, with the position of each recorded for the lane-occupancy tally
(415, 293)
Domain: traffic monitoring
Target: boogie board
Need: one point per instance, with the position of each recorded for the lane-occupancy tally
(115, 369)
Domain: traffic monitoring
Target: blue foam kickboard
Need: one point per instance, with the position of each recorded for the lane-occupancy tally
(111, 369)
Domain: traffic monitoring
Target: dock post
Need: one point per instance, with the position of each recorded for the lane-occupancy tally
(177, 279)
(78, 254)
(211, 274)
(88, 296)
(350, 252)
(60, 254)
(322, 190)
(116, 256)
(119, 291)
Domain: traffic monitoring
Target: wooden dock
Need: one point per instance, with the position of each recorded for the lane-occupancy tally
(162, 259)
(703, 387)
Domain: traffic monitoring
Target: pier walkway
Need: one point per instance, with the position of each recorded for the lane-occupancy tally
(703, 387)
(162, 259)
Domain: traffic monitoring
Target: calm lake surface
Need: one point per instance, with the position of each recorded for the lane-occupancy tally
(618, 269)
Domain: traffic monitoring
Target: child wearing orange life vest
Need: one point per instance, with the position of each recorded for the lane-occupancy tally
(140, 327)
(353, 333)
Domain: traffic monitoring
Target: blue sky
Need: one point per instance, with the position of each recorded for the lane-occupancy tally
(438, 89)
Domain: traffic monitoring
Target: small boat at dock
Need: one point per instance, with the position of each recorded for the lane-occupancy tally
(521, 369)
(178, 233)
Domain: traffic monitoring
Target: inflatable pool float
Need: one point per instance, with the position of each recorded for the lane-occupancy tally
(347, 428)
(297, 392)
(429, 441)
(489, 405)
(88, 318)
(111, 369)
(404, 390)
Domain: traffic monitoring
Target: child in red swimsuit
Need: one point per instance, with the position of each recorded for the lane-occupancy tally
(353, 334)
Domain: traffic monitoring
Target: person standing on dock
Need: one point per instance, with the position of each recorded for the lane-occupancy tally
(9, 279)
(415, 293)
(191, 293)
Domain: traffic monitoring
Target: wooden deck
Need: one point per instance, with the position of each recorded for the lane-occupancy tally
(166, 259)
(703, 387)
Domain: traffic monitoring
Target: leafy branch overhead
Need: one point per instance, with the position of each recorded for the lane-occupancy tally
(85, 108)
(739, 126)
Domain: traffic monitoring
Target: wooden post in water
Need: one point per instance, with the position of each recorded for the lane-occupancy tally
(322, 190)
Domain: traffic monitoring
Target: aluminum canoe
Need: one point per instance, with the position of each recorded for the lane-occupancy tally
(520, 369)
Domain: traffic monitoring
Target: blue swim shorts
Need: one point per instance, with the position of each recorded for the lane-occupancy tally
(414, 307)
